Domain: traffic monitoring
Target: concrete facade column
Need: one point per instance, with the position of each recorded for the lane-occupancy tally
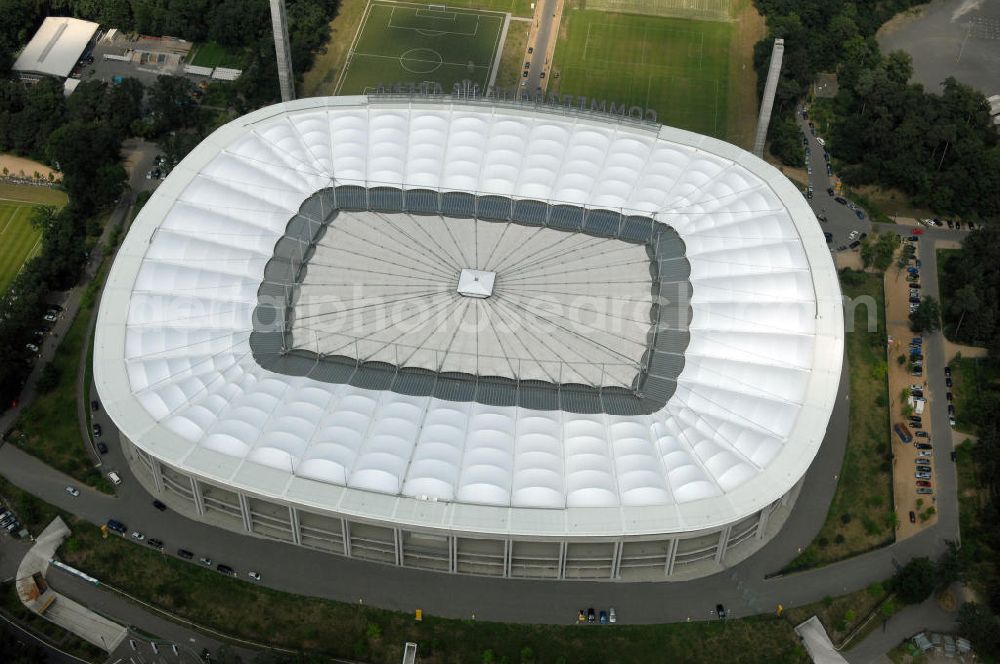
(245, 512)
(765, 516)
(562, 559)
(720, 550)
(507, 555)
(397, 541)
(616, 560)
(671, 556)
(452, 554)
(157, 475)
(199, 502)
(345, 527)
(293, 518)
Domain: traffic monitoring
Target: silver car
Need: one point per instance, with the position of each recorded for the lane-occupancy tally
(922, 476)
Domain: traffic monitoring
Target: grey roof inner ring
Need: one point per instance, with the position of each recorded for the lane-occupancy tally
(669, 299)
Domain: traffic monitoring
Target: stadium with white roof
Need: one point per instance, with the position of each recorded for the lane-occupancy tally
(475, 336)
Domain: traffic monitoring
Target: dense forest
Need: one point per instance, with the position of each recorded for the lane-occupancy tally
(939, 148)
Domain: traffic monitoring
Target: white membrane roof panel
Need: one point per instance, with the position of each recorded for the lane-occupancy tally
(175, 370)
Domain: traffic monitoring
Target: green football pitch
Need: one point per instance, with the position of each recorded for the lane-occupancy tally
(19, 241)
(679, 67)
(410, 43)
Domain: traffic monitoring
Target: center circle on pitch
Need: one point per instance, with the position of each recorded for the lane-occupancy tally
(420, 60)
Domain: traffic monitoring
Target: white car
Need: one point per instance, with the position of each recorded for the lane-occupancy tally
(612, 616)
(853, 235)
(821, 141)
(254, 575)
(925, 453)
(50, 318)
(31, 347)
(73, 491)
(136, 535)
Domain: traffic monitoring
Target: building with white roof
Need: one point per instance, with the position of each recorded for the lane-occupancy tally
(475, 336)
(55, 48)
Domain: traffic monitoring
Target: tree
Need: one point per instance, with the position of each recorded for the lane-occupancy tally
(976, 623)
(965, 300)
(927, 316)
(916, 581)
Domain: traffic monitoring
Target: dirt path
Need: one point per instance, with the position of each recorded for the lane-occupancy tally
(26, 168)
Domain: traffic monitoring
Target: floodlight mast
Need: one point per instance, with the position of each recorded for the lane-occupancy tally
(279, 24)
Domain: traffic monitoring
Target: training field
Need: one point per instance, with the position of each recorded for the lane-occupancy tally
(411, 43)
(679, 67)
(709, 10)
(19, 241)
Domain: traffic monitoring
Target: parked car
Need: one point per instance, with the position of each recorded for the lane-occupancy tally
(256, 577)
(913, 516)
(102, 448)
(924, 446)
(924, 491)
(32, 348)
(947, 371)
(226, 569)
(922, 434)
(95, 405)
(612, 616)
(951, 409)
(155, 543)
(923, 476)
(73, 491)
(159, 505)
(923, 469)
(207, 562)
(924, 453)
(923, 483)
(185, 554)
(49, 318)
(117, 526)
(948, 396)
(604, 617)
(136, 535)
(591, 615)
(840, 199)
(96, 429)
(115, 478)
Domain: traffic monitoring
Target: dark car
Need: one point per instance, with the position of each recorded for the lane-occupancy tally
(913, 516)
(96, 429)
(95, 406)
(923, 469)
(117, 526)
(604, 617)
(102, 448)
(829, 191)
(855, 244)
(951, 224)
(829, 237)
(185, 554)
(226, 569)
(914, 285)
(947, 382)
(916, 393)
(160, 506)
(841, 200)
(591, 615)
(922, 434)
(924, 446)
(948, 396)
(951, 409)
(860, 214)
(155, 543)
(947, 371)
(826, 155)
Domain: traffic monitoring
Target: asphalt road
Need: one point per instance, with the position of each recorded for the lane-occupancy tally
(840, 219)
(540, 40)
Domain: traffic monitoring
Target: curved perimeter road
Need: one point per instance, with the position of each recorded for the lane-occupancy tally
(743, 588)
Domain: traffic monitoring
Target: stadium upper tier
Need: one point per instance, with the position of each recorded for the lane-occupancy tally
(284, 318)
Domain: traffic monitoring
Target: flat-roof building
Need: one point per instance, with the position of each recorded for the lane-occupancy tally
(55, 48)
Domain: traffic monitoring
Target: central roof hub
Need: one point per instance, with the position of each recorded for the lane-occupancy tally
(476, 283)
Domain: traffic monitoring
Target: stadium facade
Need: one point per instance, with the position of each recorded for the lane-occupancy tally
(475, 337)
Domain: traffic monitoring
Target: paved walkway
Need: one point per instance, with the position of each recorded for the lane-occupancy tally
(928, 616)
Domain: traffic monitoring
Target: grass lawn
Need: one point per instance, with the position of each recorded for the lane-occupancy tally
(19, 240)
(400, 43)
(861, 515)
(711, 10)
(48, 429)
(679, 67)
(512, 59)
(976, 391)
(22, 193)
(210, 54)
(842, 615)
